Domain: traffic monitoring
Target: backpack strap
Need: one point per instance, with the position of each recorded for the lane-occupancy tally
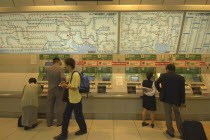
(72, 76)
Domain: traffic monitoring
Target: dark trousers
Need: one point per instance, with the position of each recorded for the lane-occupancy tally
(168, 114)
(78, 115)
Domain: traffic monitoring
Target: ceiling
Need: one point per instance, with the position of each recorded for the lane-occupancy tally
(17, 3)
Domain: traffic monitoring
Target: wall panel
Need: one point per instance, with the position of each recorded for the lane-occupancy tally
(87, 2)
(62, 2)
(174, 2)
(24, 3)
(195, 2)
(114, 2)
(43, 2)
(6, 3)
(152, 2)
(130, 2)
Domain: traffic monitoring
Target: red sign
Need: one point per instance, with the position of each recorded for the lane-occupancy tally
(79, 63)
(162, 63)
(118, 63)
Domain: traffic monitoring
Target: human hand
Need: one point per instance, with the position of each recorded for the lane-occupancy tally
(62, 82)
(149, 89)
(64, 85)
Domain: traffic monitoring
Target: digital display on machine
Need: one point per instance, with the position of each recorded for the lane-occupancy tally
(44, 78)
(48, 63)
(91, 78)
(106, 78)
(134, 78)
(197, 79)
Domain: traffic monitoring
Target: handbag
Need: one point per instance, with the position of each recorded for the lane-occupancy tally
(20, 121)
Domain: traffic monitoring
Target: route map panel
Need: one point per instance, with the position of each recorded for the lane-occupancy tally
(59, 32)
(150, 32)
(196, 33)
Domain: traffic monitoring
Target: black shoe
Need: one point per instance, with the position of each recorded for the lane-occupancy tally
(20, 126)
(152, 125)
(60, 137)
(80, 132)
(27, 128)
(144, 124)
(34, 125)
(171, 135)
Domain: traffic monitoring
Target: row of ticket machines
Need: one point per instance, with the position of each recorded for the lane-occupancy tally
(103, 83)
(124, 74)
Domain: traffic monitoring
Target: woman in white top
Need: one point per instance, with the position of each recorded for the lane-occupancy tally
(29, 104)
(149, 102)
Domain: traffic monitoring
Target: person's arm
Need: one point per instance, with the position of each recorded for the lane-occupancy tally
(157, 83)
(23, 91)
(65, 84)
(75, 82)
(182, 88)
(47, 74)
(152, 92)
(62, 75)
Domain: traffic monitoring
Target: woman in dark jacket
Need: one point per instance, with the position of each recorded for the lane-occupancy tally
(149, 102)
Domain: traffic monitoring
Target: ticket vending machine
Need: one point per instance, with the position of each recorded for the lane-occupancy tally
(133, 80)
(198, 85)
(133, 84)
(195, 82)
(104, 80)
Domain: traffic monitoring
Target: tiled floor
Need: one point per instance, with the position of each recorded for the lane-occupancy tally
(97, 130)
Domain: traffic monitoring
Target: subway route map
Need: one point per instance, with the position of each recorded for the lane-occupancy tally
(150, 32)
(59, 32)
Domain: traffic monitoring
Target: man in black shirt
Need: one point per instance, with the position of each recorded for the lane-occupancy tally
(172, 94)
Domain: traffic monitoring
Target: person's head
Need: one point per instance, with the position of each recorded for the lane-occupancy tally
(32, 80)
(170, 67)
(70, 64)
(56, 61)
(149, 75)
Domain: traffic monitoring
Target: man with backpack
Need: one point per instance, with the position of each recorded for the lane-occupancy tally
(74, 103)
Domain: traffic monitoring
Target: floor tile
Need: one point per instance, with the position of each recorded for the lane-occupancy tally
(8, 127)
(126, 133)
(124, 124)
(97, 130)
(103, 124)
(101, 134)
(21, 134)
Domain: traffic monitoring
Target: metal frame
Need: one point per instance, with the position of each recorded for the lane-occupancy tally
(111, 8)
